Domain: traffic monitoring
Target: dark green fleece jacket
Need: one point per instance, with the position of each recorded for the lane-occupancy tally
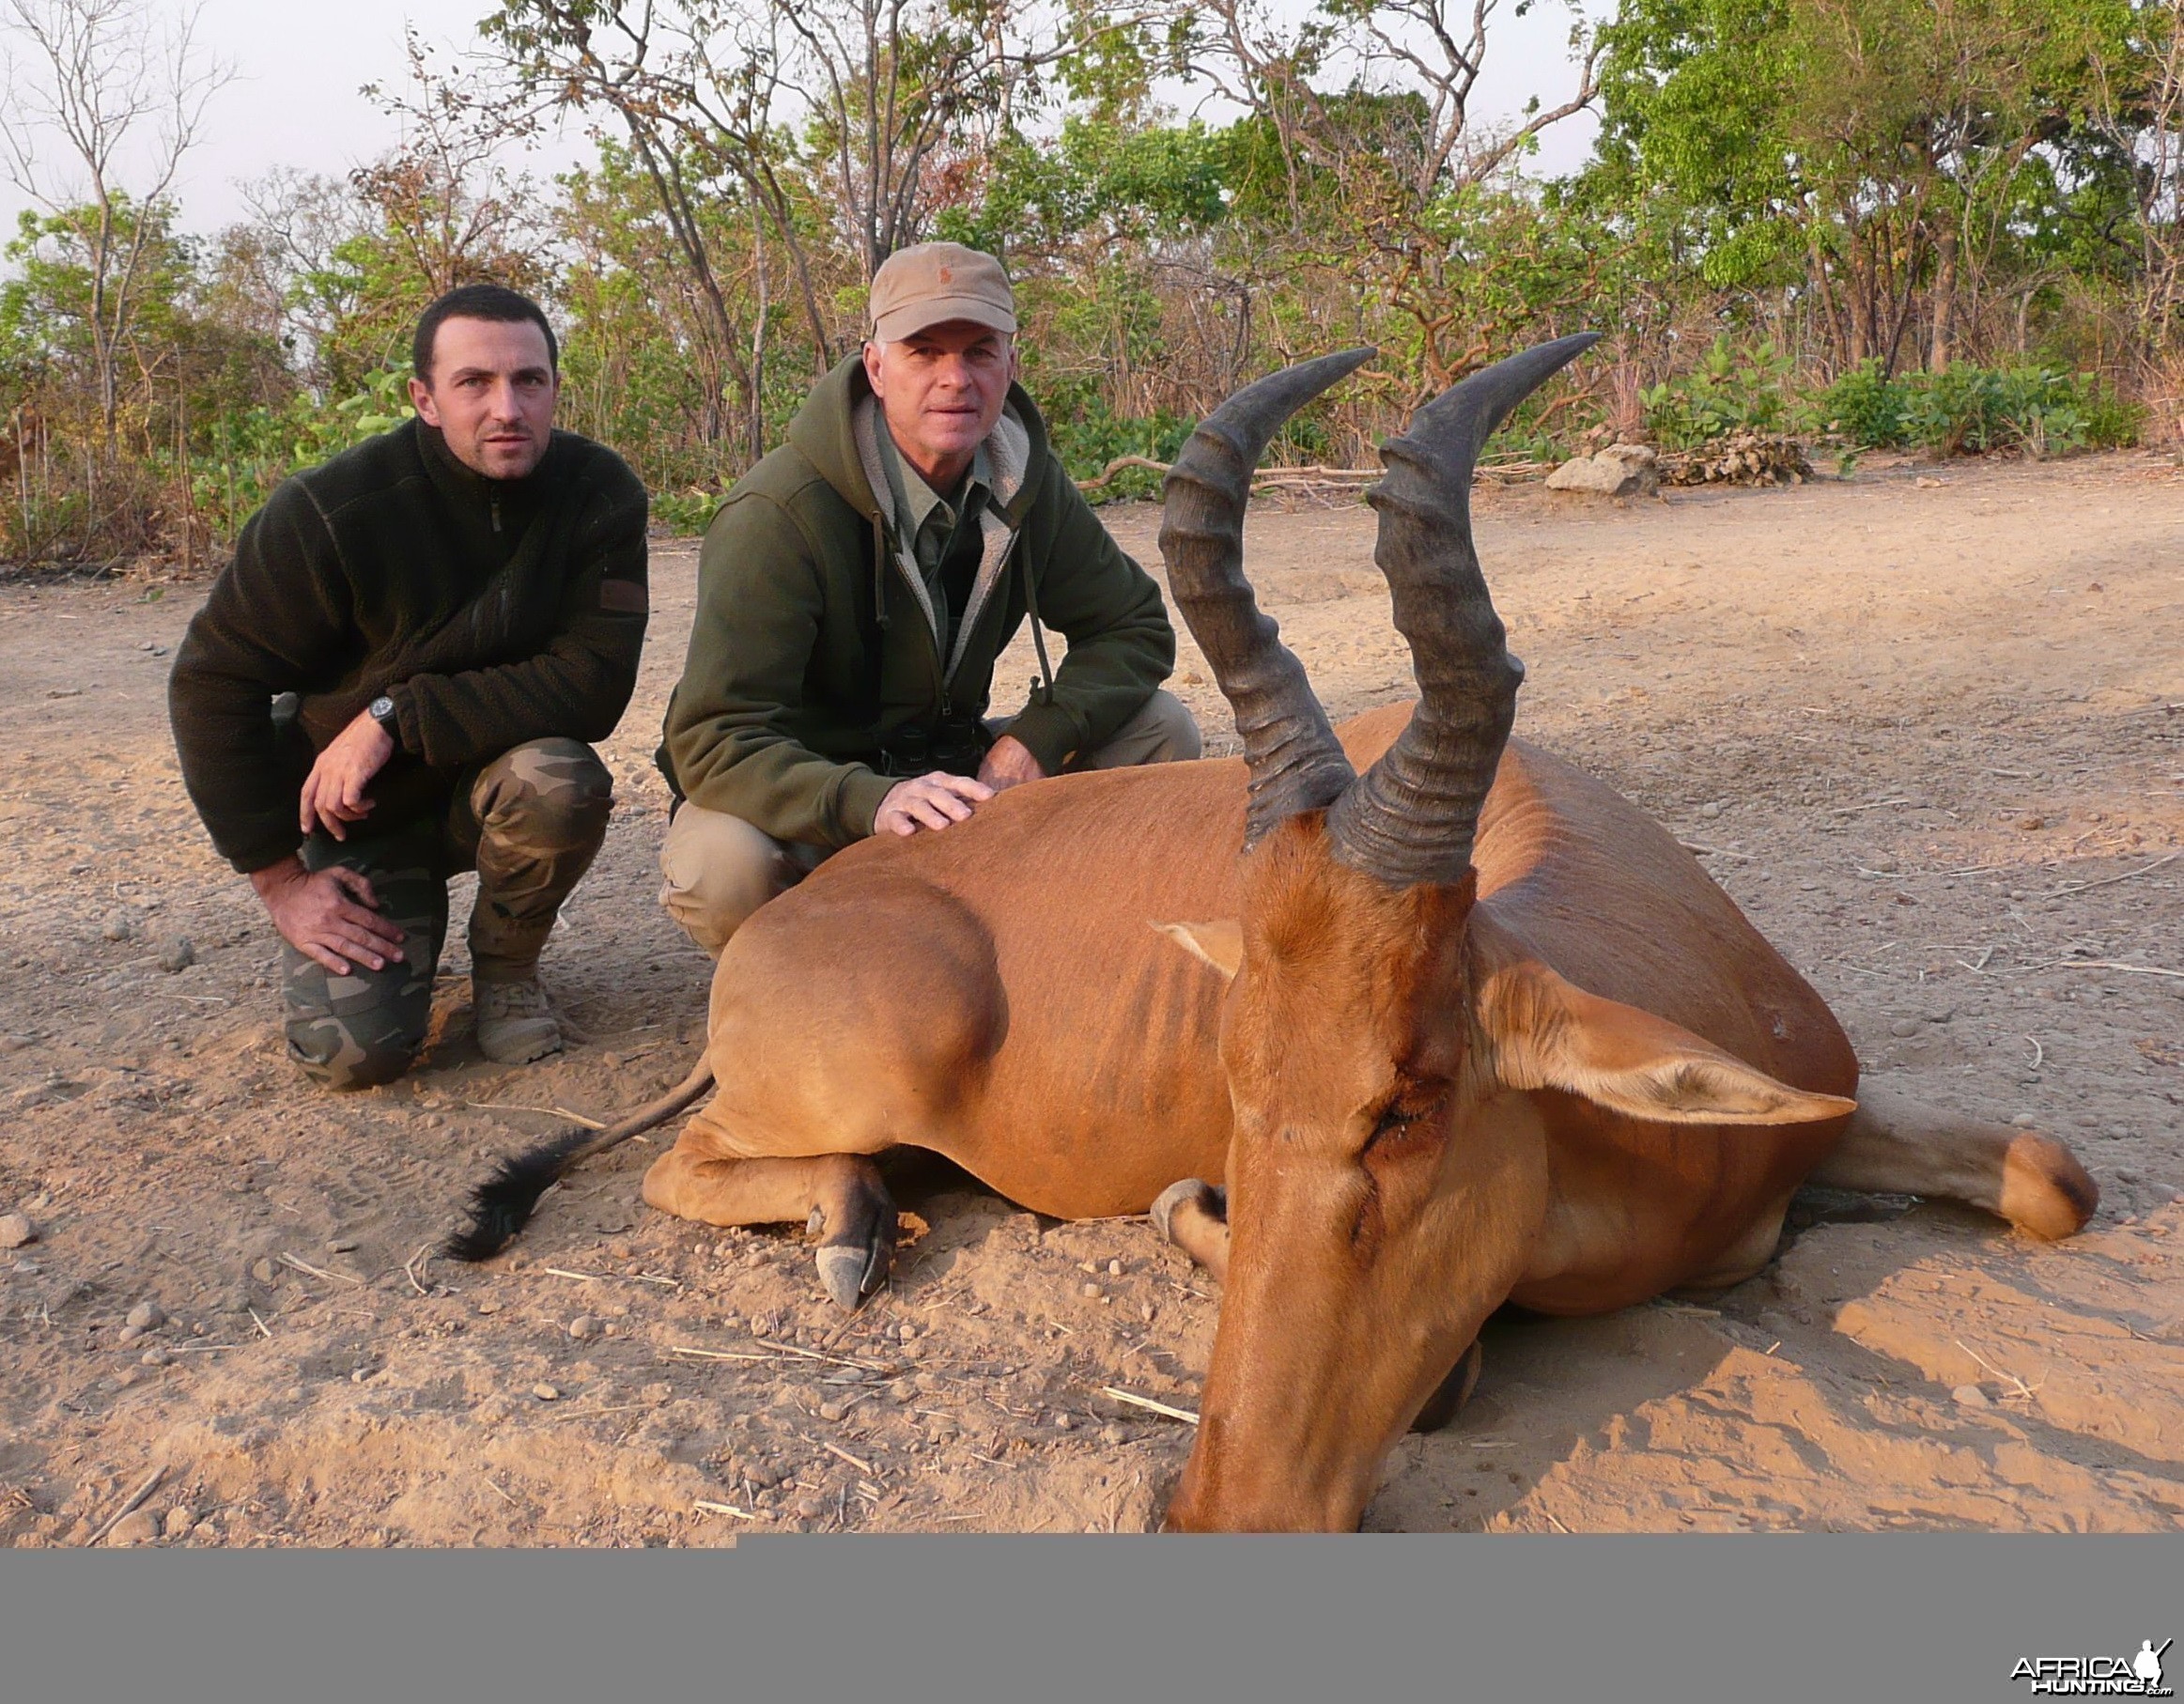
(491, 610)
(813, 651)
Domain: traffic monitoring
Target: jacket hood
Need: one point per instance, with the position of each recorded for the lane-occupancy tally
(825, 433)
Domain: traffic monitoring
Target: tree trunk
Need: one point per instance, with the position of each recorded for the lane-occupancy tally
(1945, 300)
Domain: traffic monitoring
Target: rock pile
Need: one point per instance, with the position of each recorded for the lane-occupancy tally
(1741, 459)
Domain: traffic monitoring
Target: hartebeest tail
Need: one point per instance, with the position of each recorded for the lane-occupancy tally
(501, 1204)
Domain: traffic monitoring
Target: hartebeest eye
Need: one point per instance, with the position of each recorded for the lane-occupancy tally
(1409, 1113)
(1407, 1132)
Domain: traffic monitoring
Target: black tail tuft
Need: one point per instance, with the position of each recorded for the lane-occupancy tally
(502, 1205)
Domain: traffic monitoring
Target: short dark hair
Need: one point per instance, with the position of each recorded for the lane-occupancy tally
(494, 302)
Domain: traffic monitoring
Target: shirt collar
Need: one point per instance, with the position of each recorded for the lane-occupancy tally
(914, 501)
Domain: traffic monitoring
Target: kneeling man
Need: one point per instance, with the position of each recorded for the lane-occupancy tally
(855, 590)
(396, 679)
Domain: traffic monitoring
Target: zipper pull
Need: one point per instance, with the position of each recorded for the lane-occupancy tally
(496, 514)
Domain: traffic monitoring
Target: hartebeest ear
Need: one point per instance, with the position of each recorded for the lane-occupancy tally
(1219, 944)
(1548, 1033)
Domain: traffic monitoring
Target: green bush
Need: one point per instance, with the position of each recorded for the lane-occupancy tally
(689, 513)
(1969, 411)
(2041, 410)
(1728, 392)
(1868, 408)
(1087, 435)
(251, 452)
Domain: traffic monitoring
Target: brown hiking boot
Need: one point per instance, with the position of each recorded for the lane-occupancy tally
(515, 1024)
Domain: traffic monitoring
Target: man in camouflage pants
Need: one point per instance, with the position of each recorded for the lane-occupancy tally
(394, 681)
(530, 823)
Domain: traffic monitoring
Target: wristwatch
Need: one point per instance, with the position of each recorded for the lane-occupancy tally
(381, 710)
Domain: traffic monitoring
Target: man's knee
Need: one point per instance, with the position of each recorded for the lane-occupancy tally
(362, 1030)
(719, 870)
(545, 797)
(1163, 730)
(341, 1061)
(360, 1048)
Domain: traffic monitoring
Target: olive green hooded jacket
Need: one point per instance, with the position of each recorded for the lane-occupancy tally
(814, 679)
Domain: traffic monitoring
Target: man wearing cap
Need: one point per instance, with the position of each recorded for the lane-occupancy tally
(856, 589)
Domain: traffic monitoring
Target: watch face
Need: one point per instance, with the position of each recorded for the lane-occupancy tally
(382, 709)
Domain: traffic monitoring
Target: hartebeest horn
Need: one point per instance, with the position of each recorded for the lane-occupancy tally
(1412, 816)
(1295, 762)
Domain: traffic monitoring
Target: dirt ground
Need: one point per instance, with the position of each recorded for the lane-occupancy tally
(1927, 725)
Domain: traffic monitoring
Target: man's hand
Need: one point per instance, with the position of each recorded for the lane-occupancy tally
(929, 802)
(334, 792)
(1009, 763)
(327, 917)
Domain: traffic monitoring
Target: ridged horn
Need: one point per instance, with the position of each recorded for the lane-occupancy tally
(1411, 817)
(1294, 759)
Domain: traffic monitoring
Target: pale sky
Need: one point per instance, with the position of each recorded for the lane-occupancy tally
(301, 62)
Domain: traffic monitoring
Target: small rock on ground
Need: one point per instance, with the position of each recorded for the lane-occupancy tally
(141, 1527)
(178, 955)
(146, 1316)
(16, 1231)
(545, 1392)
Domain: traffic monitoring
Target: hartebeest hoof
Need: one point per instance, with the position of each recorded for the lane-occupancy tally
(856, 1245)
(1448, 1402)
(1194, 1215)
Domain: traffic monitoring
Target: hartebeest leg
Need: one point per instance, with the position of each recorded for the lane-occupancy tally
(1900, 1145)
(839, 1196)
(1194, 1215)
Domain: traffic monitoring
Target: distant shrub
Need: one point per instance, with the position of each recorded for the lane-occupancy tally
(1866, 407)
(688, 513)
(1969, 411)
(1728, 392)
(252, 450)
(1087, 435)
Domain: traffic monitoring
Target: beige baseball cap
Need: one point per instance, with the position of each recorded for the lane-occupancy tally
(934, 282)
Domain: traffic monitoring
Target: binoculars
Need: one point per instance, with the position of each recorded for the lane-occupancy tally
(956, 745)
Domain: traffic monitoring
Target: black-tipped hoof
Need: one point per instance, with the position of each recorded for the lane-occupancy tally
(856, 1257)
(1445, 1402)
(1213, 1202)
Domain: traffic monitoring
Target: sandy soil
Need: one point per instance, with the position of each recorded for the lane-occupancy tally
(1929, 724)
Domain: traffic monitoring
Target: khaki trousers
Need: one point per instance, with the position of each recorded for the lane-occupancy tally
(719, 869)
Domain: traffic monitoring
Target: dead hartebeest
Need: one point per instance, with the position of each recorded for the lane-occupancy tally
(1456, 1024)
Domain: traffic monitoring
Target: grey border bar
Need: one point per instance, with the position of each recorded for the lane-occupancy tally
(1825, 1617)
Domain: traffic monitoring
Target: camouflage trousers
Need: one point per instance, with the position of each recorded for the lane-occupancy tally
(530, 822)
